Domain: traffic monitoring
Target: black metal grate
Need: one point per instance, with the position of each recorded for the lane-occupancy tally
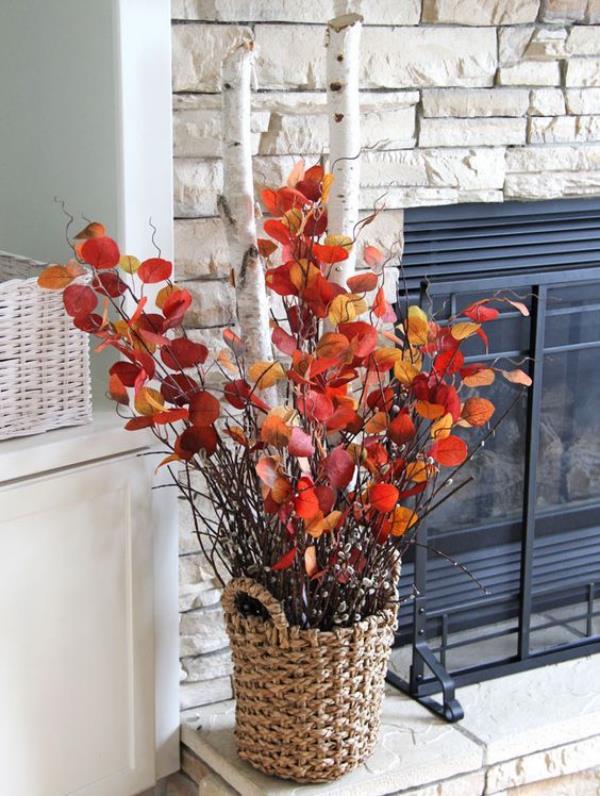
(536, 560)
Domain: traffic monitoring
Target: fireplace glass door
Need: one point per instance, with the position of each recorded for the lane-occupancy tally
(506, 574)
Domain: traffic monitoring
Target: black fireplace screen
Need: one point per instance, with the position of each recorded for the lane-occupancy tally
(528, 527)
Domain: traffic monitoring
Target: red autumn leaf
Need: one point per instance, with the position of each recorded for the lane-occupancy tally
(380, 305)
(266, 247)
(449, 452)
(137, 423)
(154, 270)
(204, 409)
(89, 323)
(117, 390)
(126, 371)
(315, 406)
(342, 417)
(362, 336)
(362, 282)
(234, 341)
(286, 560)
(329, 254)
(267, 469)
(283, 341)
(101, 253)
(448, 362)
(479, 313)
(383, 497)
(326, 496)
(109, 283)
(339, 467)
(401, 429)
(170, 416)
(237, 393)
(142, 358)
(175, 308)
(195, 439)
(481, 334)
(300, 443)
(306, 502)
(179, 389)
(183, 353)
(278, 231)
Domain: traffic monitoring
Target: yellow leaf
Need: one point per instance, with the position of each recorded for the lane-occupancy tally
(129, 264)
(303, 274)
(55, 277)
(320, 524)
(417, 326)
(346, 307)
(442, 427)
(266, 374)
(274, 431)
(464, 329)
(148, 401)
(406, 372)
(386, 357)
(402, 519)
(293, 220)
(339, 240)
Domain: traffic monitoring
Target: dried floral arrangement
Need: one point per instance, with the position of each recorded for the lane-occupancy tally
(317, 466)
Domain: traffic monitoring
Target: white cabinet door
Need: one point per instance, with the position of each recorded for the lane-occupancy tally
(76, 632)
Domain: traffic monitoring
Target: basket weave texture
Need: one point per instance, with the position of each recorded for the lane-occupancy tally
(44, 360)
(308, 702)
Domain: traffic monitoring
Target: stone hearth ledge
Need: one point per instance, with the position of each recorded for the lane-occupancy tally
(540, 725)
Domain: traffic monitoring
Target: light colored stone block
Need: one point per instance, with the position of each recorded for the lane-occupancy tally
(465, 169)
(400, 57)
(375, 12)
(197, 184)
(201, 248)
(512, 43)
(583, 157)
(563, 10)
(202, 630)
(427, 197)
(584, 40)
(207, 666)
(199, 595)
(198, 133)
(530, 73)
(213, 304)
(551, 706)
(584, 783)
(414, 750)
(193, 569)
(198, 51)
(554, 185)
(467, 102)
(564, 129)
(583, 101)
(546, 102)
(583, 72)
(547, 44)
(483, 12)
(551, 763)
(299, 134)
(194, 695)
(472, 132)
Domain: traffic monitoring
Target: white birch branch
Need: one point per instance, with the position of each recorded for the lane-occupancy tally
(236, 205)
(343, 106)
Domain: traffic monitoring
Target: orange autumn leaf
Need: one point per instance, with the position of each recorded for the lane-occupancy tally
(323, 524)
(55, 277)
(419, 471)
(401, 520)
(332, 345)
(429, 410)
(238, 435)
(377, 424)
(362, 282)
(441, 428)
(402, 429)
(517, 376)
(481, 378)
(266, 374)
(117, 390)
(306, 502)
(477, 411)
(148, 401)
(449, 452)
(274, 431)
(310, 560)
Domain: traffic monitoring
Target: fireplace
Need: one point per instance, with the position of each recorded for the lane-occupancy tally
(528, 527)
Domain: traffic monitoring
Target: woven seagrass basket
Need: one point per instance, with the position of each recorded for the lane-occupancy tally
(308, 702)
(44, 359)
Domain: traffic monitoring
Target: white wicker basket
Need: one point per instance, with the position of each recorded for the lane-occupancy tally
(44, 360)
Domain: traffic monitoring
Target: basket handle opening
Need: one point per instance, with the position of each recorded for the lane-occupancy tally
(240, 594)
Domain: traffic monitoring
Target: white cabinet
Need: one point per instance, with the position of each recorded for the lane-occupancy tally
(76, 630)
